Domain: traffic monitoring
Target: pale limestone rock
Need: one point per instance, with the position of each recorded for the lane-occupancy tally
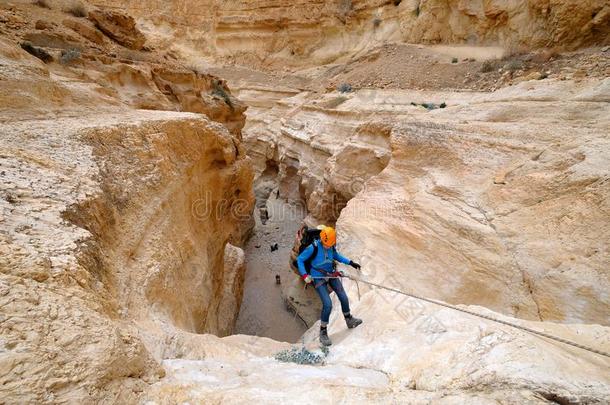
(111, 223)
(448, 358)
(112, 262)
(289, 33)
(107, 232)
(481, 203)
(119, 27)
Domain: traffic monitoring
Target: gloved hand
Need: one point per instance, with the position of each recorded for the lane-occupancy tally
(307, 279)
(354, 264)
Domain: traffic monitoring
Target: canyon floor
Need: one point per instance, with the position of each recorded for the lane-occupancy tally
(264, 311)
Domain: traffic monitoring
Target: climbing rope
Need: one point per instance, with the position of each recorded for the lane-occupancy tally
(491, 318)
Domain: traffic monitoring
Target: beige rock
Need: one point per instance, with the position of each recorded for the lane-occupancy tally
(96, 249)
(119, 228)
(204, 94)
(448, 358)
(93, 200)
(436, 213)
(43, 25)
(281, 33)
(119, 27)
(52, 40)
(85, 29)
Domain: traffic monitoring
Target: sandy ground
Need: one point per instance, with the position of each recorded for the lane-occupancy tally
(431, 67)
(263, 311)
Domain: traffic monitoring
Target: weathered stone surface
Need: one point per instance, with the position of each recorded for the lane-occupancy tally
(85, 29)
(105, 215)
(201, 93)
(119, 227)
(293, 33)
(119, 27)
(463, 199)
(467, 195)
(107, 253)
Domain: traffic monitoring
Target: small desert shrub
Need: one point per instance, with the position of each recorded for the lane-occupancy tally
(430, 106)
(218, 90)
(545, 55)
(77, 9)
(514, 65)
(345, 6)
(454, 60)
(376, 22)
(42, 3)
(344, 88)
(488, 66)
(37, 52)
(515, 51)
(69, 56)
(10, 198)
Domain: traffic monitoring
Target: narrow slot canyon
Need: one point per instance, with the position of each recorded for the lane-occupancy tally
(158, 159)
(264, 310)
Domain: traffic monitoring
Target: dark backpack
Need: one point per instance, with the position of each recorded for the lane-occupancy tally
(305, 237)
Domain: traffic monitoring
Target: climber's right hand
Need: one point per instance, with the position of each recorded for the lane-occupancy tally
(307, 278)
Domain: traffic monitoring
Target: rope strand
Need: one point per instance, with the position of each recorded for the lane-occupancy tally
(524, 328)
(443, 304)
(466, 311)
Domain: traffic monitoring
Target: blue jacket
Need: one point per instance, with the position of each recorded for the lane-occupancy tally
(324, 259)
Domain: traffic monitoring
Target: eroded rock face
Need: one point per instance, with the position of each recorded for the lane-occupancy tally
(501, 220)
(119, 227)
(439, 220)
(526, 23)
(113, 236)
(97, 80)
(293, 33)
(86, 30)
(125, 229)
(461, 221)
(119, 27)
(203, 94)
(468, 361)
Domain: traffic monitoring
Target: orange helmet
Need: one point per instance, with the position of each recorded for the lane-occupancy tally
(328, 236)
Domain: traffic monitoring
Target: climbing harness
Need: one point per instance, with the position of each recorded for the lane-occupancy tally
(524, 328)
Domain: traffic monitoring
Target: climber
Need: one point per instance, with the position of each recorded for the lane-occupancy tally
(322, 255)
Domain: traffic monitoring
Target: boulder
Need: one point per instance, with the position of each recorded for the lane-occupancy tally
(84, 29)
(120, 27)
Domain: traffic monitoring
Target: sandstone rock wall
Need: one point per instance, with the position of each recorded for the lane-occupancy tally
(492, 200)
(477, 210)
(293, 33)
(101, 74)
(114, 234)
(122, 240)
(120, 227)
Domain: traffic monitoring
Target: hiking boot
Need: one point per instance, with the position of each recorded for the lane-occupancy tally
(324, 339)
(352, 322)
